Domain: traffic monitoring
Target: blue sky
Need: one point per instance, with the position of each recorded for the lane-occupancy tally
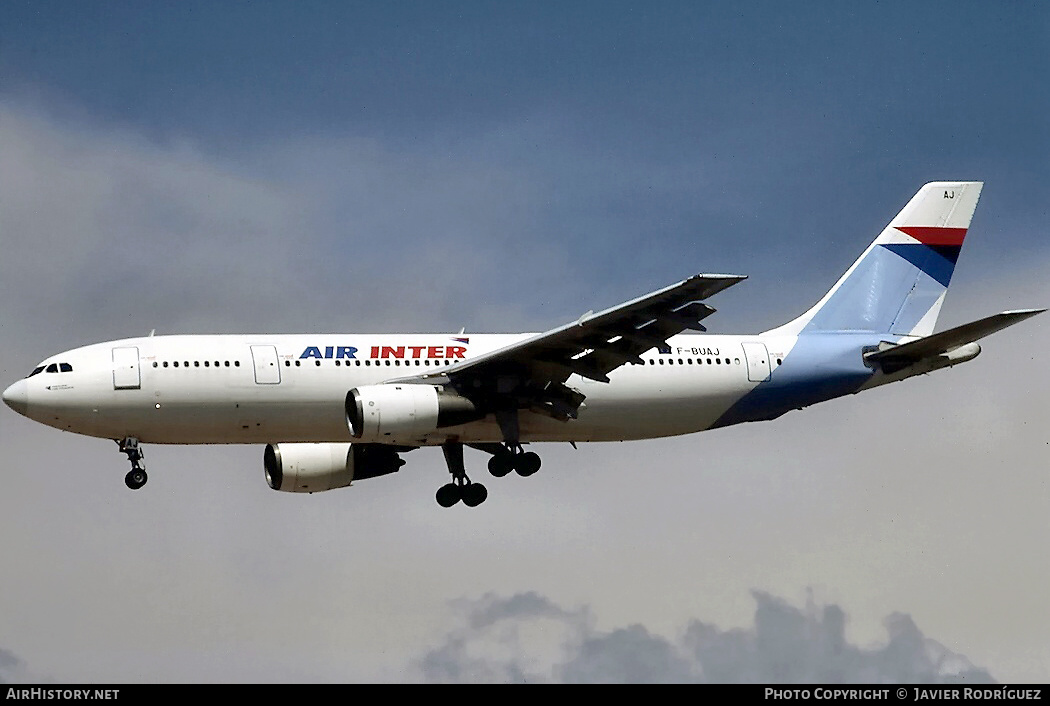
(225, 167)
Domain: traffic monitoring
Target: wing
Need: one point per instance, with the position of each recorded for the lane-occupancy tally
(531, 374)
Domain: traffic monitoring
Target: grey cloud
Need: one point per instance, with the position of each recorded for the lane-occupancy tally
(628, 655)
(112, 235)
(11, 667)
(789, 645)
(512, 639)
(785, 644)
(491, 609)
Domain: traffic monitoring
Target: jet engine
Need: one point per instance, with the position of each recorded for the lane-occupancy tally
(403, 412)
(309, 468)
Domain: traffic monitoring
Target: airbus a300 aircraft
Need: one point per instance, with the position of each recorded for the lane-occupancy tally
(338, 408)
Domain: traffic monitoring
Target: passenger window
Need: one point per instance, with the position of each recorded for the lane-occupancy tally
(196, 364)
(155, 364)
(206, 364)
(165, 363)
(298, 363)
(287, 363)
(176, 363)
(317, 363)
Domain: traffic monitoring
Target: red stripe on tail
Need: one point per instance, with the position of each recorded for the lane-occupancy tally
(934, 235)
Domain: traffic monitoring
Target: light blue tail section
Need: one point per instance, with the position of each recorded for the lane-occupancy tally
(898, 284)
(890, 291)
(895, 288)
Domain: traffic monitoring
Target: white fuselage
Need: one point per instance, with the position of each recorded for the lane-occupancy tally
(225, 389)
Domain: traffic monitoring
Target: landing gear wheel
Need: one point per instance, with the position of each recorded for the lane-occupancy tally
(474, 494)
(526, 464)
(135, 479)
(449, 494)
(501, 464)
(129, 446)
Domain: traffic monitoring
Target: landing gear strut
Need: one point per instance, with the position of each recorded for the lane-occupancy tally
(460, 488)
(136, 477)
(509, 456)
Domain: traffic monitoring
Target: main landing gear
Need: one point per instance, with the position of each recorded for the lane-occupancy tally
(511, 457)
(461, 488)
(506, 457)
(136, 477)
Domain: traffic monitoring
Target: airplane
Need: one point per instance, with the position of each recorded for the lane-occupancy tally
(333, 409)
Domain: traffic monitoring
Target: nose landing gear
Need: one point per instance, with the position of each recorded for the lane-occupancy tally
(136, 477)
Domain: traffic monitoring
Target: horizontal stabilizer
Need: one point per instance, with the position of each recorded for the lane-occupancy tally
(939, 343)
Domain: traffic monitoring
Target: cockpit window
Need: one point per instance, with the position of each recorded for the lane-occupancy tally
(52, 368)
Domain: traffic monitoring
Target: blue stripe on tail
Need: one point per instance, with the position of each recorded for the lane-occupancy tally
(891, 289)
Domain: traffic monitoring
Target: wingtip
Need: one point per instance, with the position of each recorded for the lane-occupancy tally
(1023, 312)
(712, 275)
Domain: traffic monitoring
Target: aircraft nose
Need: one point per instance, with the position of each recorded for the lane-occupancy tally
(17, 397)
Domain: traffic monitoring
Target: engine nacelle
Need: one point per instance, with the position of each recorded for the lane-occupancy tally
(309, 468)
(403, 412)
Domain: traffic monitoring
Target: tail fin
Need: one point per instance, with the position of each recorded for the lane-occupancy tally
(898, 285)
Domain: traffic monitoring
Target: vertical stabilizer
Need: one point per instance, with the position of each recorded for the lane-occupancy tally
(898, 285)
